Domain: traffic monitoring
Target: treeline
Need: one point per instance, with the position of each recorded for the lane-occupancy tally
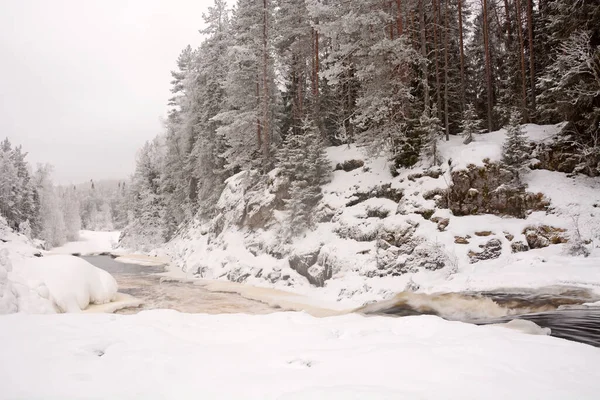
(280, 77)
(33, 205)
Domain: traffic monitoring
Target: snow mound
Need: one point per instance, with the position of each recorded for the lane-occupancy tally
(72, 282)
(15, 294)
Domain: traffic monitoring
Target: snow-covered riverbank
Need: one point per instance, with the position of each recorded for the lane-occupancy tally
(37, 281)
(165, 354)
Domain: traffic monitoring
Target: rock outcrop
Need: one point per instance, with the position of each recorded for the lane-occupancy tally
(489, 189)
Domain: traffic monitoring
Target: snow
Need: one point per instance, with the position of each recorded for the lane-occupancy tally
(90, 242)
(46, 284)
(348, 242)
(15, 294)
(164, 354)
(489, 146)
(72, 282)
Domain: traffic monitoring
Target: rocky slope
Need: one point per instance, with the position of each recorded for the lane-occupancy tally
(461, 225)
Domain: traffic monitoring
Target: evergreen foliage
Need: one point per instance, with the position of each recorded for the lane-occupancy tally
(515, 151)
(470, 124)
(302, 161)
(431, 129)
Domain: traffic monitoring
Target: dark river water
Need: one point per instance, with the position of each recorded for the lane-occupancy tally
(557, 308)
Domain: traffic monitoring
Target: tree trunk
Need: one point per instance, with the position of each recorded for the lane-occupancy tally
(399, 26)
(531, 54)
(266, 95)
(258, 124)
(488, 67)
(438, 87)
(522, 57)
(507, 23)
(446, 44)
(424, 54)
(462, 58)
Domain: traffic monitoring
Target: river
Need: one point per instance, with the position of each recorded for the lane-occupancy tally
(557, 308)
(142, 282)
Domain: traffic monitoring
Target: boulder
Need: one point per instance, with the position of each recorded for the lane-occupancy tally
(442, 223)
(519, 247)
(542, 236)
(491, 250)
(383, 191)
(314, 268)
(460, 240)
(349, 165)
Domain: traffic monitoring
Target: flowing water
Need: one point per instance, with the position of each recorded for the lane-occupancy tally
(141, 281)
(558, 308)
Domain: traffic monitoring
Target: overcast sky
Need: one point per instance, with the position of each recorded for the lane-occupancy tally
(84, 83)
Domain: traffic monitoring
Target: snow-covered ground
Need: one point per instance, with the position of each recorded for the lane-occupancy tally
(168, 355)
(347, 243)
(90, 242)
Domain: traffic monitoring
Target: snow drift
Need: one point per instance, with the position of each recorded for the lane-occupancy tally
(30, 283)
(72, 282)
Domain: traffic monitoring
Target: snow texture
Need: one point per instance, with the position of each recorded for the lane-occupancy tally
(72, 282)
(90, 242)
(164, 354)
(33, 284)
(367, 204)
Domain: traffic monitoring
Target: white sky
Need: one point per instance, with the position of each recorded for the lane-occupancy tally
(84, 83)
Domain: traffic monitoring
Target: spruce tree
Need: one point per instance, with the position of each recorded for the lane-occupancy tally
(470, 124)
(302, 161)
(515, 152)
(431, 131)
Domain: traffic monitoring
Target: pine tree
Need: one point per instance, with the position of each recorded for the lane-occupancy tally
(249, 119)
(146, 228)
(515, 151)
(207, 165)
(470, 124)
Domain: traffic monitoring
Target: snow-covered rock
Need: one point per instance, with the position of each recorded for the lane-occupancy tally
(30, 283)
(72, 283)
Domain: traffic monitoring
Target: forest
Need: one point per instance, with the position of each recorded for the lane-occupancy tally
(276, 81)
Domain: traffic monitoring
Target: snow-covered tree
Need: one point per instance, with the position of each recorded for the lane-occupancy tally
(470, 124)
(52, 224)
(207, 164)
(249, 117)
(146, 229)
(71, 213)
(431, 130)
(303, 162)
(515, 151)
(18, 197)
